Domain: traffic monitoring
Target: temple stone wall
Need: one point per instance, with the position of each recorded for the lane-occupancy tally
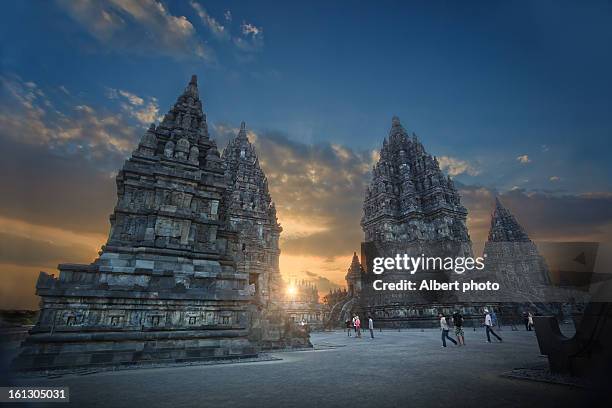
(251, 215)
(165, 286)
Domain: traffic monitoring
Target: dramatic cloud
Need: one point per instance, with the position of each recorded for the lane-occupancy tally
(545, 216)
(562, 217)
(42, 187)
(216, 28)
(137, 26)
(318, 190)
(28, 116)
(524, 159)
(252, 38)
(56, 182)
(136, 107)
(32, 252)
(249, 39)
(455, 167)
(26, 249)
(58, 166)
(250, 29)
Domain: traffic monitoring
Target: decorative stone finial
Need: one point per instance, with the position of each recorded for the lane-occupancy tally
(192, 88)
(498, 203)
(242, 133)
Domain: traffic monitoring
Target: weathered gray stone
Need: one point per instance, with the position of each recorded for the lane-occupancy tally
(165, 286)
(410, 207)
(251, 213)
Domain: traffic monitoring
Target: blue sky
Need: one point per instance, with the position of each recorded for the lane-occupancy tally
(514, 97)
(468, 79)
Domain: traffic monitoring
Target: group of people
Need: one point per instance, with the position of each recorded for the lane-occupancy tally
(355, 324)
(490, 321)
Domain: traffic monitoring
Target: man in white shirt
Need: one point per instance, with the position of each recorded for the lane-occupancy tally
(371, 326)
(489, 326)
(444, 328)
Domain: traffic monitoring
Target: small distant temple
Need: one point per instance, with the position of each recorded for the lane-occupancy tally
(353, 276)
(301, 303)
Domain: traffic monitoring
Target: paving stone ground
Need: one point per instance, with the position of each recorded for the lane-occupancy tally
(395, 369)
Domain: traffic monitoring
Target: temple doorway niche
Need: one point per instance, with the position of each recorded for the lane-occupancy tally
(254, 283)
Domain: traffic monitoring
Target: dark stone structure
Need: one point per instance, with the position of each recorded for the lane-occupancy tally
(165, 286)
(513, 261)
(588, 354)
(353, 276)
(409, 198)
(411, 208)
(250, 214)
(301, 303)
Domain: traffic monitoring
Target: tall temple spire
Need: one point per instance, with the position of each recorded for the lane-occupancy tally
(504, 227)
(353, 276)
(514, 259)
(186, 118)
(252, 215)
(397, 134)
(242, 133)
(408, 189)
(355, 260)
(192, 88)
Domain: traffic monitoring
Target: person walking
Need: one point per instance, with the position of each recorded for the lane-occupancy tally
(529, 321)
(371, 326)
(444, 328)
(354, 325)
(526, 321)
(458, 322)
(493, 318)
(489, 326)
(358, 326)
(348, 327)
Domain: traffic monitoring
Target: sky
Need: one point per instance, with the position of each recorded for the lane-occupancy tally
(514, 98)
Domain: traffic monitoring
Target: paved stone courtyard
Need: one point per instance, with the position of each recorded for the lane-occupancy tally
(396, 369)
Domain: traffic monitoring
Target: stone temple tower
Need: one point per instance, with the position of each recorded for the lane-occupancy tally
(353, 276)
(252, 215)
(165, 286)
(411, 208)
(409, 198)
(513, 259)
